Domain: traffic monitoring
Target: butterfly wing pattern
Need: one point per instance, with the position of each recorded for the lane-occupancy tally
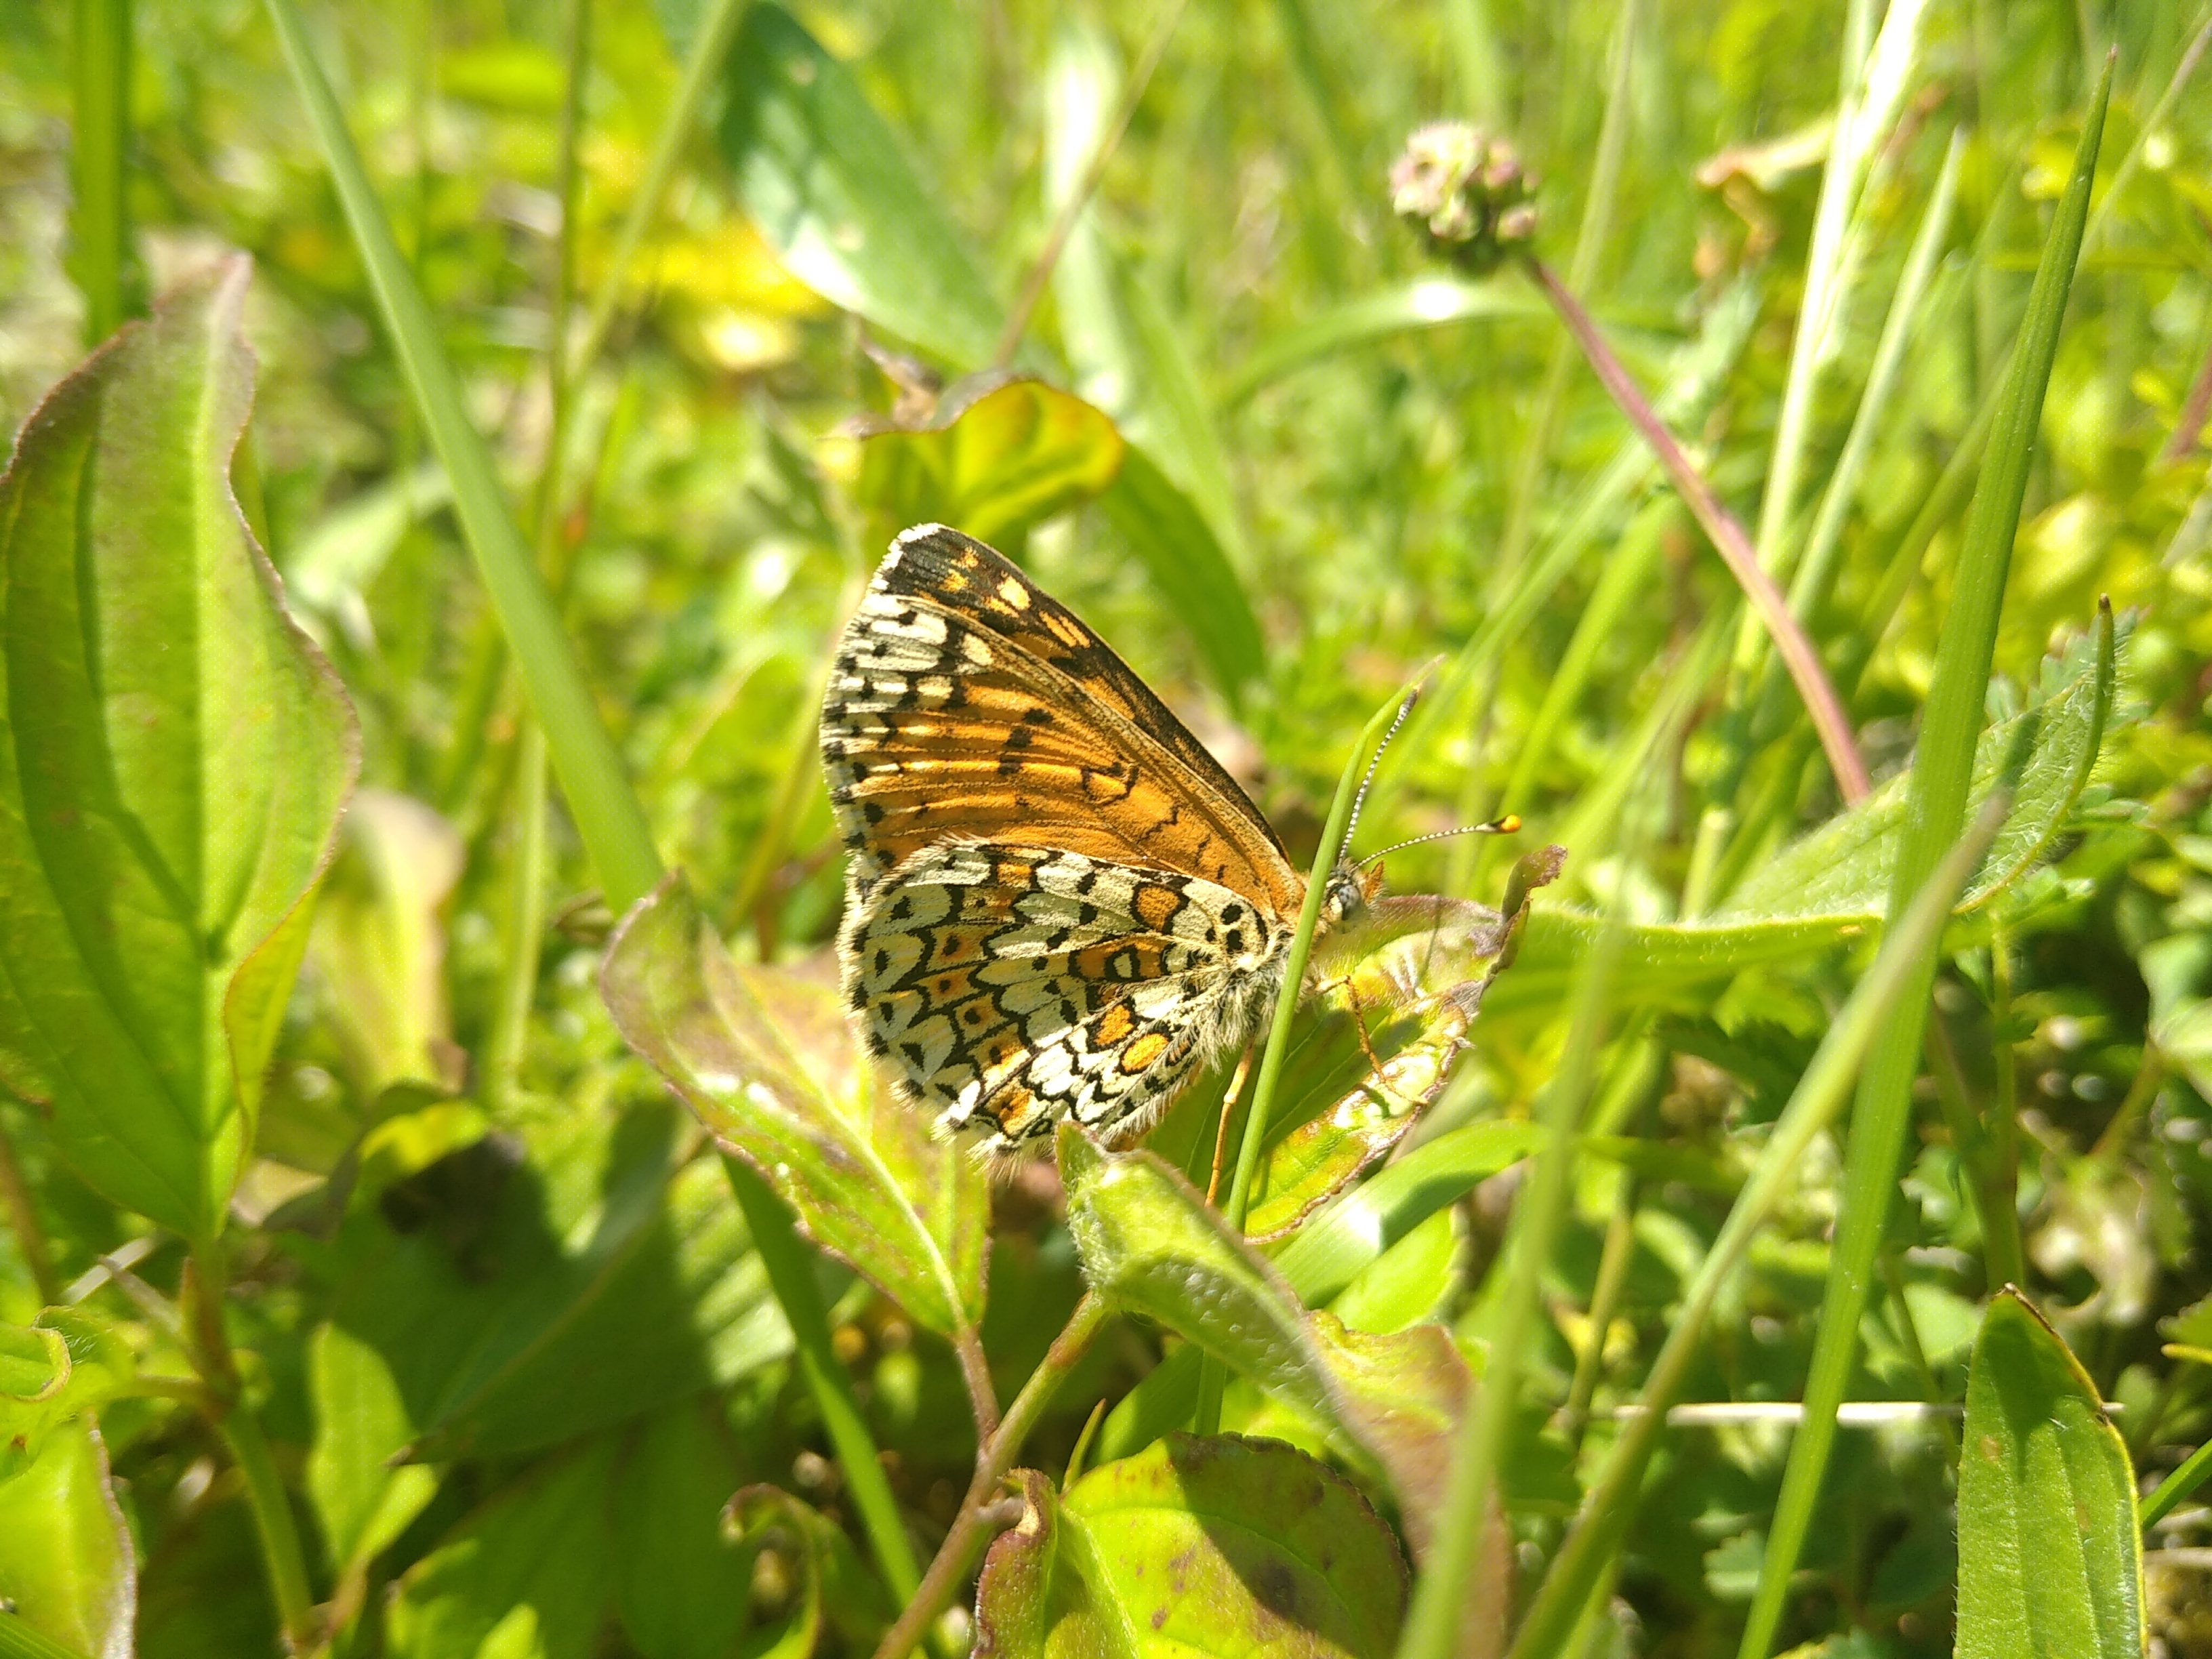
(1058, 904)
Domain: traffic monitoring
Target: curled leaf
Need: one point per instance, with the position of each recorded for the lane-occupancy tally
(995, 457)
(1398, 996)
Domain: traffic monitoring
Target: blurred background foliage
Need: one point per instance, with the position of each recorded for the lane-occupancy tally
(567, 1321)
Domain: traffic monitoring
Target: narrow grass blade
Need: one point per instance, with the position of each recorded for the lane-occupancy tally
(1440, 1620)
(1819, 1095)
(1941, 774)
(1278, 1034)
(2178, 1485)
(584, 759)
(703, 62)
(1873, 90)
(99, 140)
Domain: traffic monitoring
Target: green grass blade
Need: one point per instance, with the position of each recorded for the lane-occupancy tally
(2178, 1485)
(1940, 776)
(1815, 570)
(1278, 1034)
(99, 136)
(607, 815)
(1435, 1623)
(702, 63)
(1818, 1095)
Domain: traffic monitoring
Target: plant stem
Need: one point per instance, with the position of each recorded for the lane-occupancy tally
(1727, 535)
(1213, 1375)
(790, 1267)
(99, 137)
(525, 917)
(209, 1348)
(1613, 1263)
(1839, 182)
(954, 1556)
(702, 64)
(1978, 1166)
(1582, 269)
(1434, 1623)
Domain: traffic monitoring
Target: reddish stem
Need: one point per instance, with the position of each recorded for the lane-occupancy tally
(1728, 539)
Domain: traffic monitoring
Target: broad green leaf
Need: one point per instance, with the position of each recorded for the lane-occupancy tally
(1150, 1244)
(1332, 1251)
(67, 1567)
(525, 1578)
(1184, 560)
(378, 945)
(2050, 1562)
(174, 754)
(1408, 1283)
(1832, 885)
(1398, 994)
(520, 1301)
(994, 459)
(1841, 871)
(1221, 1546)
(826, 182)
(765, 1058)
(361, 1500)
(680, 1581)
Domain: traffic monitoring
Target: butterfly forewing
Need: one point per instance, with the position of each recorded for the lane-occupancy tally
(1059, 905)
(965, 701)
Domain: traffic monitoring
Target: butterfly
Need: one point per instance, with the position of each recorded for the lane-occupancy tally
(1059, 905)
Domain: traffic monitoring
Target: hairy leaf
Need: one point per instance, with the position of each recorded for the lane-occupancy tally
(765, 1058)
(174, 754)
(1195, 1547)
(2050, 1561)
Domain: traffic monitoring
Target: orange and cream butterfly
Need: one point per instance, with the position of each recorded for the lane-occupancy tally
(1059, 905)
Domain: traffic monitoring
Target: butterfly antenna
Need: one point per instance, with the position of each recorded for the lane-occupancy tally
(1505, 826)
(1360, 799)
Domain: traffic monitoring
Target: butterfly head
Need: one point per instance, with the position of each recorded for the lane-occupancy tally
(1351, 888)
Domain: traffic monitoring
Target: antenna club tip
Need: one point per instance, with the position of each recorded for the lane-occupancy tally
(1509, 824)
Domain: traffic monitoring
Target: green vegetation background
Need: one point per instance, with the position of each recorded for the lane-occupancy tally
(1386, 456)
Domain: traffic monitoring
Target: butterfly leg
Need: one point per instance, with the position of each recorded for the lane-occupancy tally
(1235, 1093)
(1377, 1077)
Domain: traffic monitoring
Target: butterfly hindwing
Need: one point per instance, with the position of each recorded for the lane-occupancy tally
(1011, 986)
